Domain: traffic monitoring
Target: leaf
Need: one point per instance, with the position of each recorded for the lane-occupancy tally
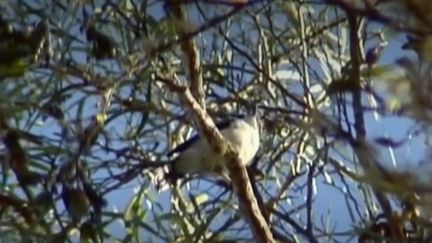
(341, 86)
(384, 72)
(101, 118)
(97, 201)
(134, 214)
(76, 202)
(53, 110)
(327, 177)
(201, 198)
(88, 232)
(18, 160)
(28, 177)
(43, 201)
(165, 28)
(103, 45)
(388, 142)
(419, 44)
(15, 69)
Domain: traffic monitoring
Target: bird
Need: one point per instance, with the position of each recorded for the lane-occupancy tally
(195, 156)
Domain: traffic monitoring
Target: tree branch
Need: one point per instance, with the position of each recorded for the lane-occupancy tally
(190, 51)
(369, 164)
(248, 204)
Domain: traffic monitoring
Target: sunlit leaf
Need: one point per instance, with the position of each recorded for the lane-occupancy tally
(201, 198)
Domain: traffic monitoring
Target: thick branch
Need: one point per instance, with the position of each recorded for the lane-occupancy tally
(194, 99)
(368, 163)
(240, 181)
(190, 52)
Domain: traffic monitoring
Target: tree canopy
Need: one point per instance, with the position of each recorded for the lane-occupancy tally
(94, 94)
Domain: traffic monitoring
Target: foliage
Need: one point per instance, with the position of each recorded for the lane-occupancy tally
(87, 118)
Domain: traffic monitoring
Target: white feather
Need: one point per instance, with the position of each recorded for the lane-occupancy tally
(243, 135)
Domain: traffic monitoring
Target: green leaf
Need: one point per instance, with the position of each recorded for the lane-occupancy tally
(134, 206)
(201, 198)
(15, 69)
(134, 215)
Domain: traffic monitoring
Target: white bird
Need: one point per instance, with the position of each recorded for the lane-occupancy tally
(197, 157)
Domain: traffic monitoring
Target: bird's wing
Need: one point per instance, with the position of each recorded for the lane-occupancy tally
(182, 147)
(188, 143)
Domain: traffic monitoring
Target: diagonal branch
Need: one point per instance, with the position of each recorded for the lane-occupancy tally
(248, 204)
(194, 99)
(191, 54)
